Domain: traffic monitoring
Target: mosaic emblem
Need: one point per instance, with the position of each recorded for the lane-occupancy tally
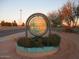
(37, 24)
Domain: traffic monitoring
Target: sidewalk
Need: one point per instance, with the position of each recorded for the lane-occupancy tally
(12, 36)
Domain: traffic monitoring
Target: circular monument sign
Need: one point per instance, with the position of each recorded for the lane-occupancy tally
(37, 24)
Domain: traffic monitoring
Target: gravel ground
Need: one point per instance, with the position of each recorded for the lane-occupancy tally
(69, 49)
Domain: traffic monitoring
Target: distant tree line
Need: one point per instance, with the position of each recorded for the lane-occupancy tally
(14, 23)
(3, 23)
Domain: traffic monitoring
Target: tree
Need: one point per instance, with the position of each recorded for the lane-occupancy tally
(2, 23)
(76, 14)
(8, 24)
(66, 14)
(14, 23)
(54, 19)
(23, 24)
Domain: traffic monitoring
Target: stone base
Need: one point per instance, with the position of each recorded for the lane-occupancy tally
(36, 52)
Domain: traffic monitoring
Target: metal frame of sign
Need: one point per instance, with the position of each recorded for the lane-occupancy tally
(34, 15)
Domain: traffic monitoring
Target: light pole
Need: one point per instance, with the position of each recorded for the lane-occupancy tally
(20, 16)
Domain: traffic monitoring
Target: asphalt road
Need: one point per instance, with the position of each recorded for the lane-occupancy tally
(10, 31)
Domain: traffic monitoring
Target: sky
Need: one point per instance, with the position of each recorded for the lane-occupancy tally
(10, 9)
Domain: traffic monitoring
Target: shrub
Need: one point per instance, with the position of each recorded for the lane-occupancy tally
(24, 42)
(53, 40)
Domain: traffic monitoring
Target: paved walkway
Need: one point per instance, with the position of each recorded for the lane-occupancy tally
(69, 48)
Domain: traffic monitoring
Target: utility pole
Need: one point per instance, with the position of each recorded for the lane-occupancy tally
(20, 16)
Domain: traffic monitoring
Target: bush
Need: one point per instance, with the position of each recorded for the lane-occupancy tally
(24, 42)
(53, 40)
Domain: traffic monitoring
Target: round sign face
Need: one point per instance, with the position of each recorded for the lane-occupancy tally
(37, 24)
